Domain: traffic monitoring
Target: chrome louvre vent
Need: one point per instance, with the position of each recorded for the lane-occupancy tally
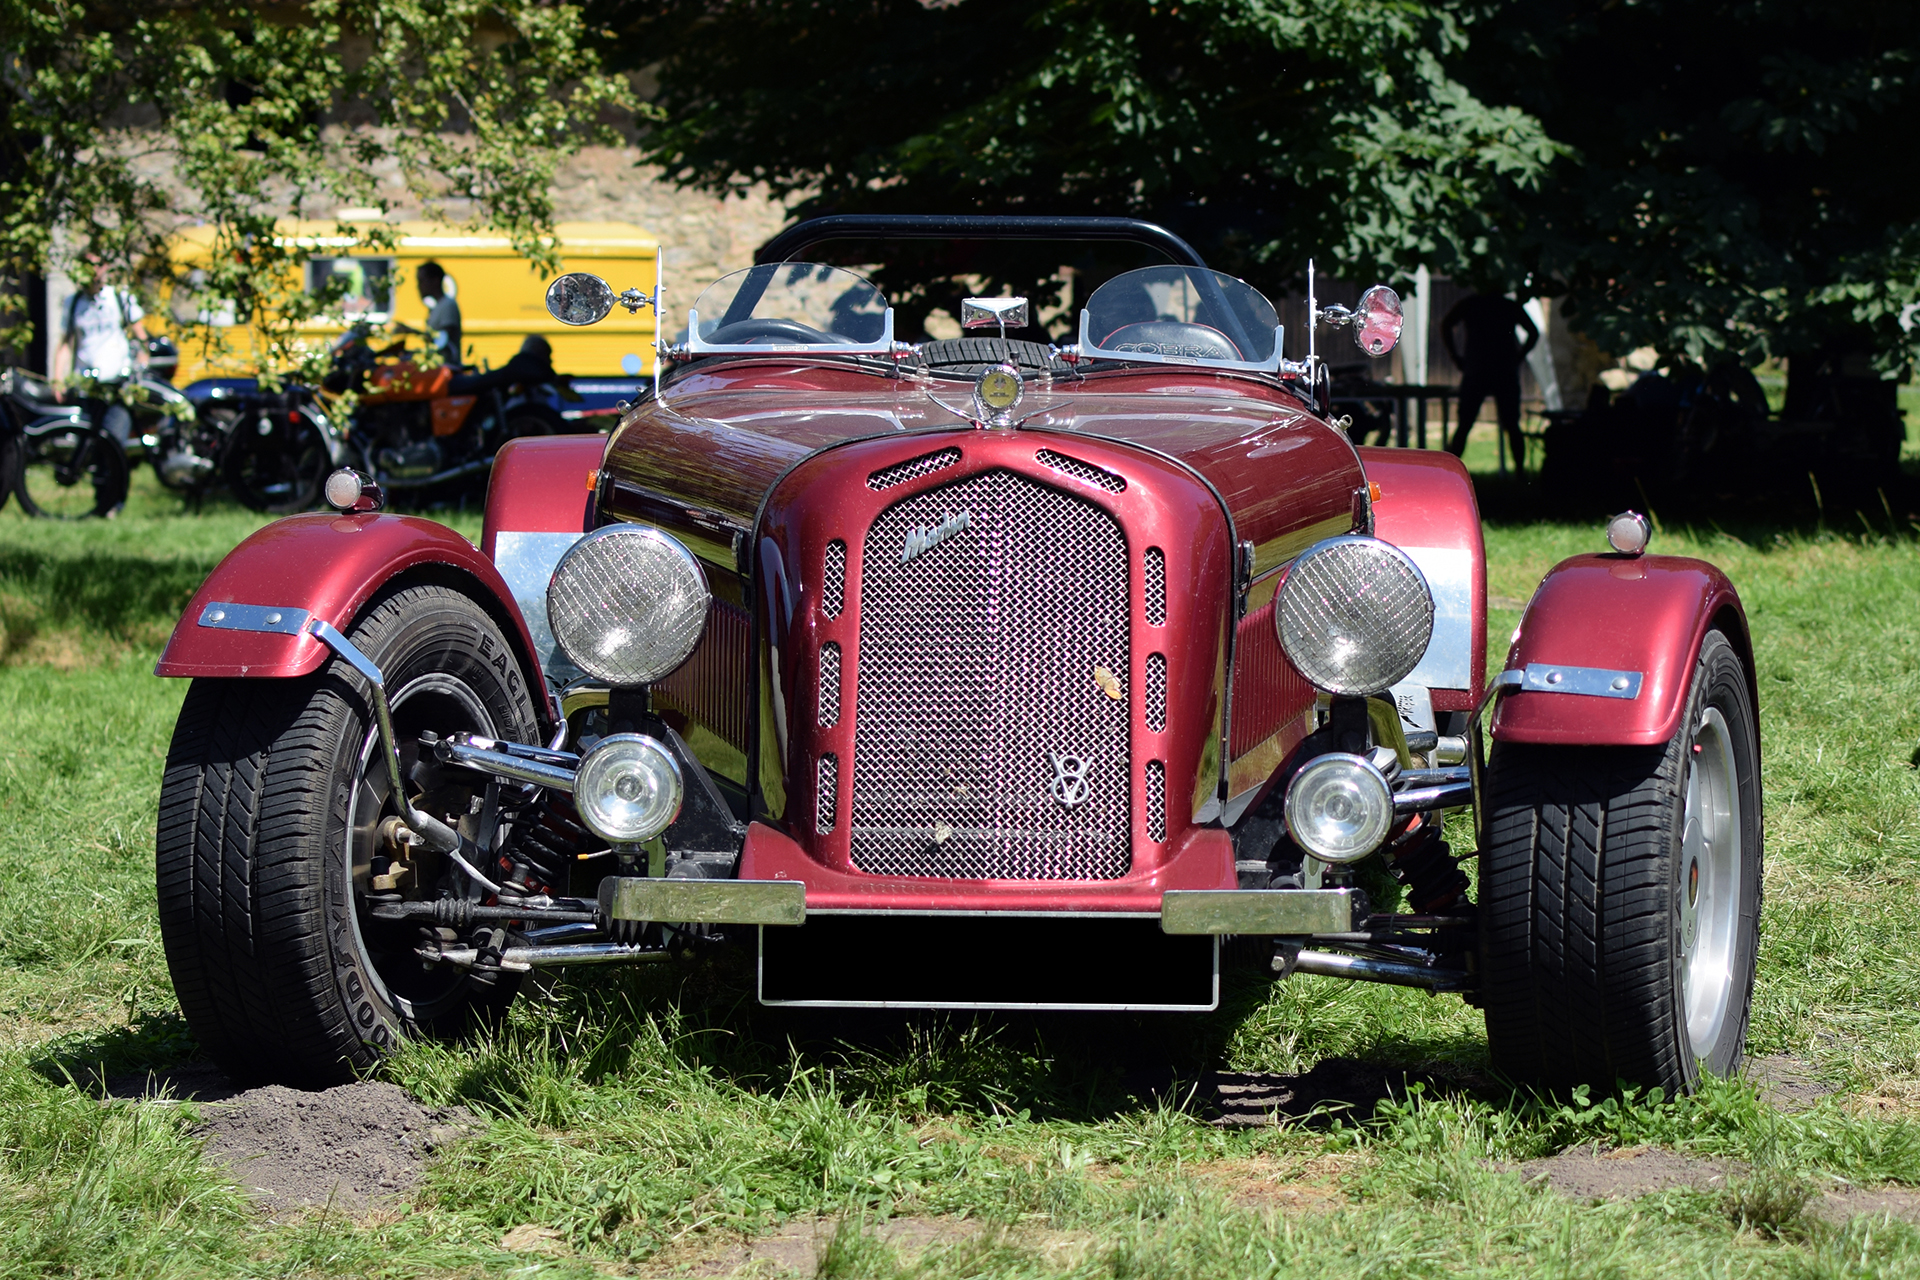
(991, 722)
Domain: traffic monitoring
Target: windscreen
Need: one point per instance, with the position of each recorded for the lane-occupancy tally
(790, 304)
(1180, 315)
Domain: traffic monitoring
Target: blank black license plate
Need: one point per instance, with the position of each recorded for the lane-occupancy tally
(988, 962)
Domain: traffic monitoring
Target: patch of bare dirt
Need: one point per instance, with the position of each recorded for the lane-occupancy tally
(1785, 1082)
(1899, 1203)
(346, 1149)
(1306, 1185)
(1592, 1173)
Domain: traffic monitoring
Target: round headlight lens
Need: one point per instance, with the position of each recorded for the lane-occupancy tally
(627, 604)
(1354, 615)
(628, 788)
(1339, 808)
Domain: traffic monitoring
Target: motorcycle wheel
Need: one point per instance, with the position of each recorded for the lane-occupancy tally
(279, 472)
(69, 473)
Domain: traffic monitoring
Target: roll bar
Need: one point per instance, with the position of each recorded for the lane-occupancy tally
(796, 240)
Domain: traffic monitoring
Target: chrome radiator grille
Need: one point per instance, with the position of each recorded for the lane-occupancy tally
(991, 733)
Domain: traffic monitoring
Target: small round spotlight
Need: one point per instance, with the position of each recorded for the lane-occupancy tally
(348, 490)
(998, 390)
(1339, 808)
(628, 788)
(1629, 533)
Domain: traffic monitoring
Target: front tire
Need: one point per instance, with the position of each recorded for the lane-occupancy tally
(1620, 898)
(269, 813)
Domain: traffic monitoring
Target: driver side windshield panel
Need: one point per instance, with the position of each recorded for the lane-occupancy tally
(790, 304)
(1181, 315)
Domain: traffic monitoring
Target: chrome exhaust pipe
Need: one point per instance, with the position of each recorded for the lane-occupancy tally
(1333, 964)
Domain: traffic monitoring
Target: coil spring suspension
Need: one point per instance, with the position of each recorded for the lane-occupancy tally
(546, 838)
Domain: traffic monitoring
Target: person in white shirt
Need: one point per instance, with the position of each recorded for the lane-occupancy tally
(102, 322)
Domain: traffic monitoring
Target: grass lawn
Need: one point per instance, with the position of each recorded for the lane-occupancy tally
(644, 1120)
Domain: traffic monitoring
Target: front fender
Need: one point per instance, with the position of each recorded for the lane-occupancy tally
(1619, 613)
(331, 565)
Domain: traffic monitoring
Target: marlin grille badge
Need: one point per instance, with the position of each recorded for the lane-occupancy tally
(1069, 785)
(924, 538)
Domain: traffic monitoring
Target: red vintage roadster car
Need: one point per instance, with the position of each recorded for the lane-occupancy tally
(977, 673)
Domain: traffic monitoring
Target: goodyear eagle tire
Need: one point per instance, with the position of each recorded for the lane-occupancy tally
(1620, 898)
(268, 821)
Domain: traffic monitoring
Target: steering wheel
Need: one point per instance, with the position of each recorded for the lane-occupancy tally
(1173, 338)
(771, 329)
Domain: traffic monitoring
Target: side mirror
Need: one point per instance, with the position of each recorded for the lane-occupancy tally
(579, 298)
(1377, 320)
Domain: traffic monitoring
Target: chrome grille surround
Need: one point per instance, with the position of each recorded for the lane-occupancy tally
(978, 699)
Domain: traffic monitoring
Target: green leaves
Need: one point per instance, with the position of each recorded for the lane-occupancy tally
(128, 122)
(1265, 130)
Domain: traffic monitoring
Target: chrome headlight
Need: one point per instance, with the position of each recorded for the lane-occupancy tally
(1339, 808)
(1354, 615)
(628, 788)
(627, 604)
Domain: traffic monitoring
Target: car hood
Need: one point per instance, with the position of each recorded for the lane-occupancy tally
(723, 439)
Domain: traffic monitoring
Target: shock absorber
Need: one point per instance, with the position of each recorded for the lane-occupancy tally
(546, 837)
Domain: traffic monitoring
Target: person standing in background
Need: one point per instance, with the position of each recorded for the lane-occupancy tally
(443, 313)
(97, 348)
(1490, 366)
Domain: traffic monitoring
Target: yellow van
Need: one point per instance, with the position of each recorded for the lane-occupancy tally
(502, 297)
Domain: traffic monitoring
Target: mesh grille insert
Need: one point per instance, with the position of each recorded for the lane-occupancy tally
(1156, 800)
(829, 684)
(1156, 587)
(833, 579)
(987, 743)
(1157, 692)
(826, 793)
(1081, 470)
(912, 469)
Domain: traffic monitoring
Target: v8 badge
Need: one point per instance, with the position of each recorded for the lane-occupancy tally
(1069, 785)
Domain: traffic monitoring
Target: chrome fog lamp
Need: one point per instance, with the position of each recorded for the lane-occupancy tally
(627, 604)
(1339, 808)
(628, 788)
(1354, 615)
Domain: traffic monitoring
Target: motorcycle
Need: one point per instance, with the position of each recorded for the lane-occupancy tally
(52, 457)
(419, 428)
(276, 447)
